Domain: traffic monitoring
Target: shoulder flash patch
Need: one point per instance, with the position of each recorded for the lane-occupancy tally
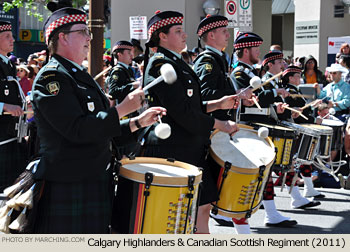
(208, 67)
(159, 56)
(53, 87)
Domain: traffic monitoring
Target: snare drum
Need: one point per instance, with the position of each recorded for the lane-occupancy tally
(243, 166)
(306, 142)
(156, 196)
(324, 145)
(283, 138)
(338, 129)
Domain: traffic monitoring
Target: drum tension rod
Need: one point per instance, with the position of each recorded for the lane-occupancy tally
(189, 195)
(260, 178)
(227, 167)
(148, 182)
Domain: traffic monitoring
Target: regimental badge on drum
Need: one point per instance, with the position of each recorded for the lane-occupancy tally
(53, 87)
(6, 92)
(91, 106)
(189, 92)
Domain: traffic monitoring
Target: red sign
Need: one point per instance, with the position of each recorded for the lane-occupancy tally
(231, 7)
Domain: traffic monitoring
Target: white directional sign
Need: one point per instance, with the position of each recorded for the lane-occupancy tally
(138, 27)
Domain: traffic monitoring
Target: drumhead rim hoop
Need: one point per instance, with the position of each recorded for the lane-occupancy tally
(302, 129)
(233, 168)
(323, 129)
(158, 180)
(286, 133)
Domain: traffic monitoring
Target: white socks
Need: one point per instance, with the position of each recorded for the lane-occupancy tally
(272, 216)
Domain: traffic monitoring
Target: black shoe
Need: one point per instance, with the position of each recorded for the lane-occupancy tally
(310, 204)
(285, 223)
(222, 222)
(320, 196)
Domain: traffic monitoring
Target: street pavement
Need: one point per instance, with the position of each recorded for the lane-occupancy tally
(331, 217)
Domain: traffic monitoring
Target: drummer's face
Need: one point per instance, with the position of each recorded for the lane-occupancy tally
(175, 39)
(295, 79)
(324, 113)
(254, 53)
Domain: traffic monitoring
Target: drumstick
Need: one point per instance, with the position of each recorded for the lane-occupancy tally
(256, 102)
(268, 81)
(296, 111)
(300, 95)
(102, 73)
(25, 112)
(109, 96)
(314, 102)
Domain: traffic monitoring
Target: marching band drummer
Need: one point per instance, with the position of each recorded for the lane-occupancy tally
(273, 64)
(247, 50)
(13, 155)
(186, 113)
(211, 67)
(290, 81)
(120, 82)
(76, 125)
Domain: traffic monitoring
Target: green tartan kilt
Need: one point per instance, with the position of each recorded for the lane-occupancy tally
(82, 207)
(13, 161)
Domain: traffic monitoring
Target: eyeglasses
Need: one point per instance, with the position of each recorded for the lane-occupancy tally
(84, 31)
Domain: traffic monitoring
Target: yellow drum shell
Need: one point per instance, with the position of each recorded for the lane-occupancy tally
(167, 204)
(241, 183)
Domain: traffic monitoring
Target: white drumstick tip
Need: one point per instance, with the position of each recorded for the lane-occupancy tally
(255, 82)
(168, 73)
(162, 130)
(263, 132)
(331, 111)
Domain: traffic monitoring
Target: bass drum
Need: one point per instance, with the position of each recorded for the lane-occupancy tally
(241, 165)
(156, 196)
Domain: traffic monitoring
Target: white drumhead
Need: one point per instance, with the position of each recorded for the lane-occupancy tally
(245, 150)
(330, 122)
(302, 129)
(322, 128)
(161, 170)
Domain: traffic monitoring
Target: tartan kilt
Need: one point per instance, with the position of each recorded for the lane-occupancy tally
(82, 207)
(13, 161)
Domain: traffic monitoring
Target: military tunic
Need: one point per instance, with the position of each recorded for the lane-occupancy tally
(212, 70)
(120, 85)
(120, 82)
(13, 155)
(75, 126)
(241, 76)
(299, 102)
(186, 115)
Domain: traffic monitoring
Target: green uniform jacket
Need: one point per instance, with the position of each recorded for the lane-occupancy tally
(119, 82)
(299, 102)
(9, 94)
(75, 123)
(211, 68)
(186, 113)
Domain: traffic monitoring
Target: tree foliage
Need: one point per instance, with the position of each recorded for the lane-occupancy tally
(31, 7)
